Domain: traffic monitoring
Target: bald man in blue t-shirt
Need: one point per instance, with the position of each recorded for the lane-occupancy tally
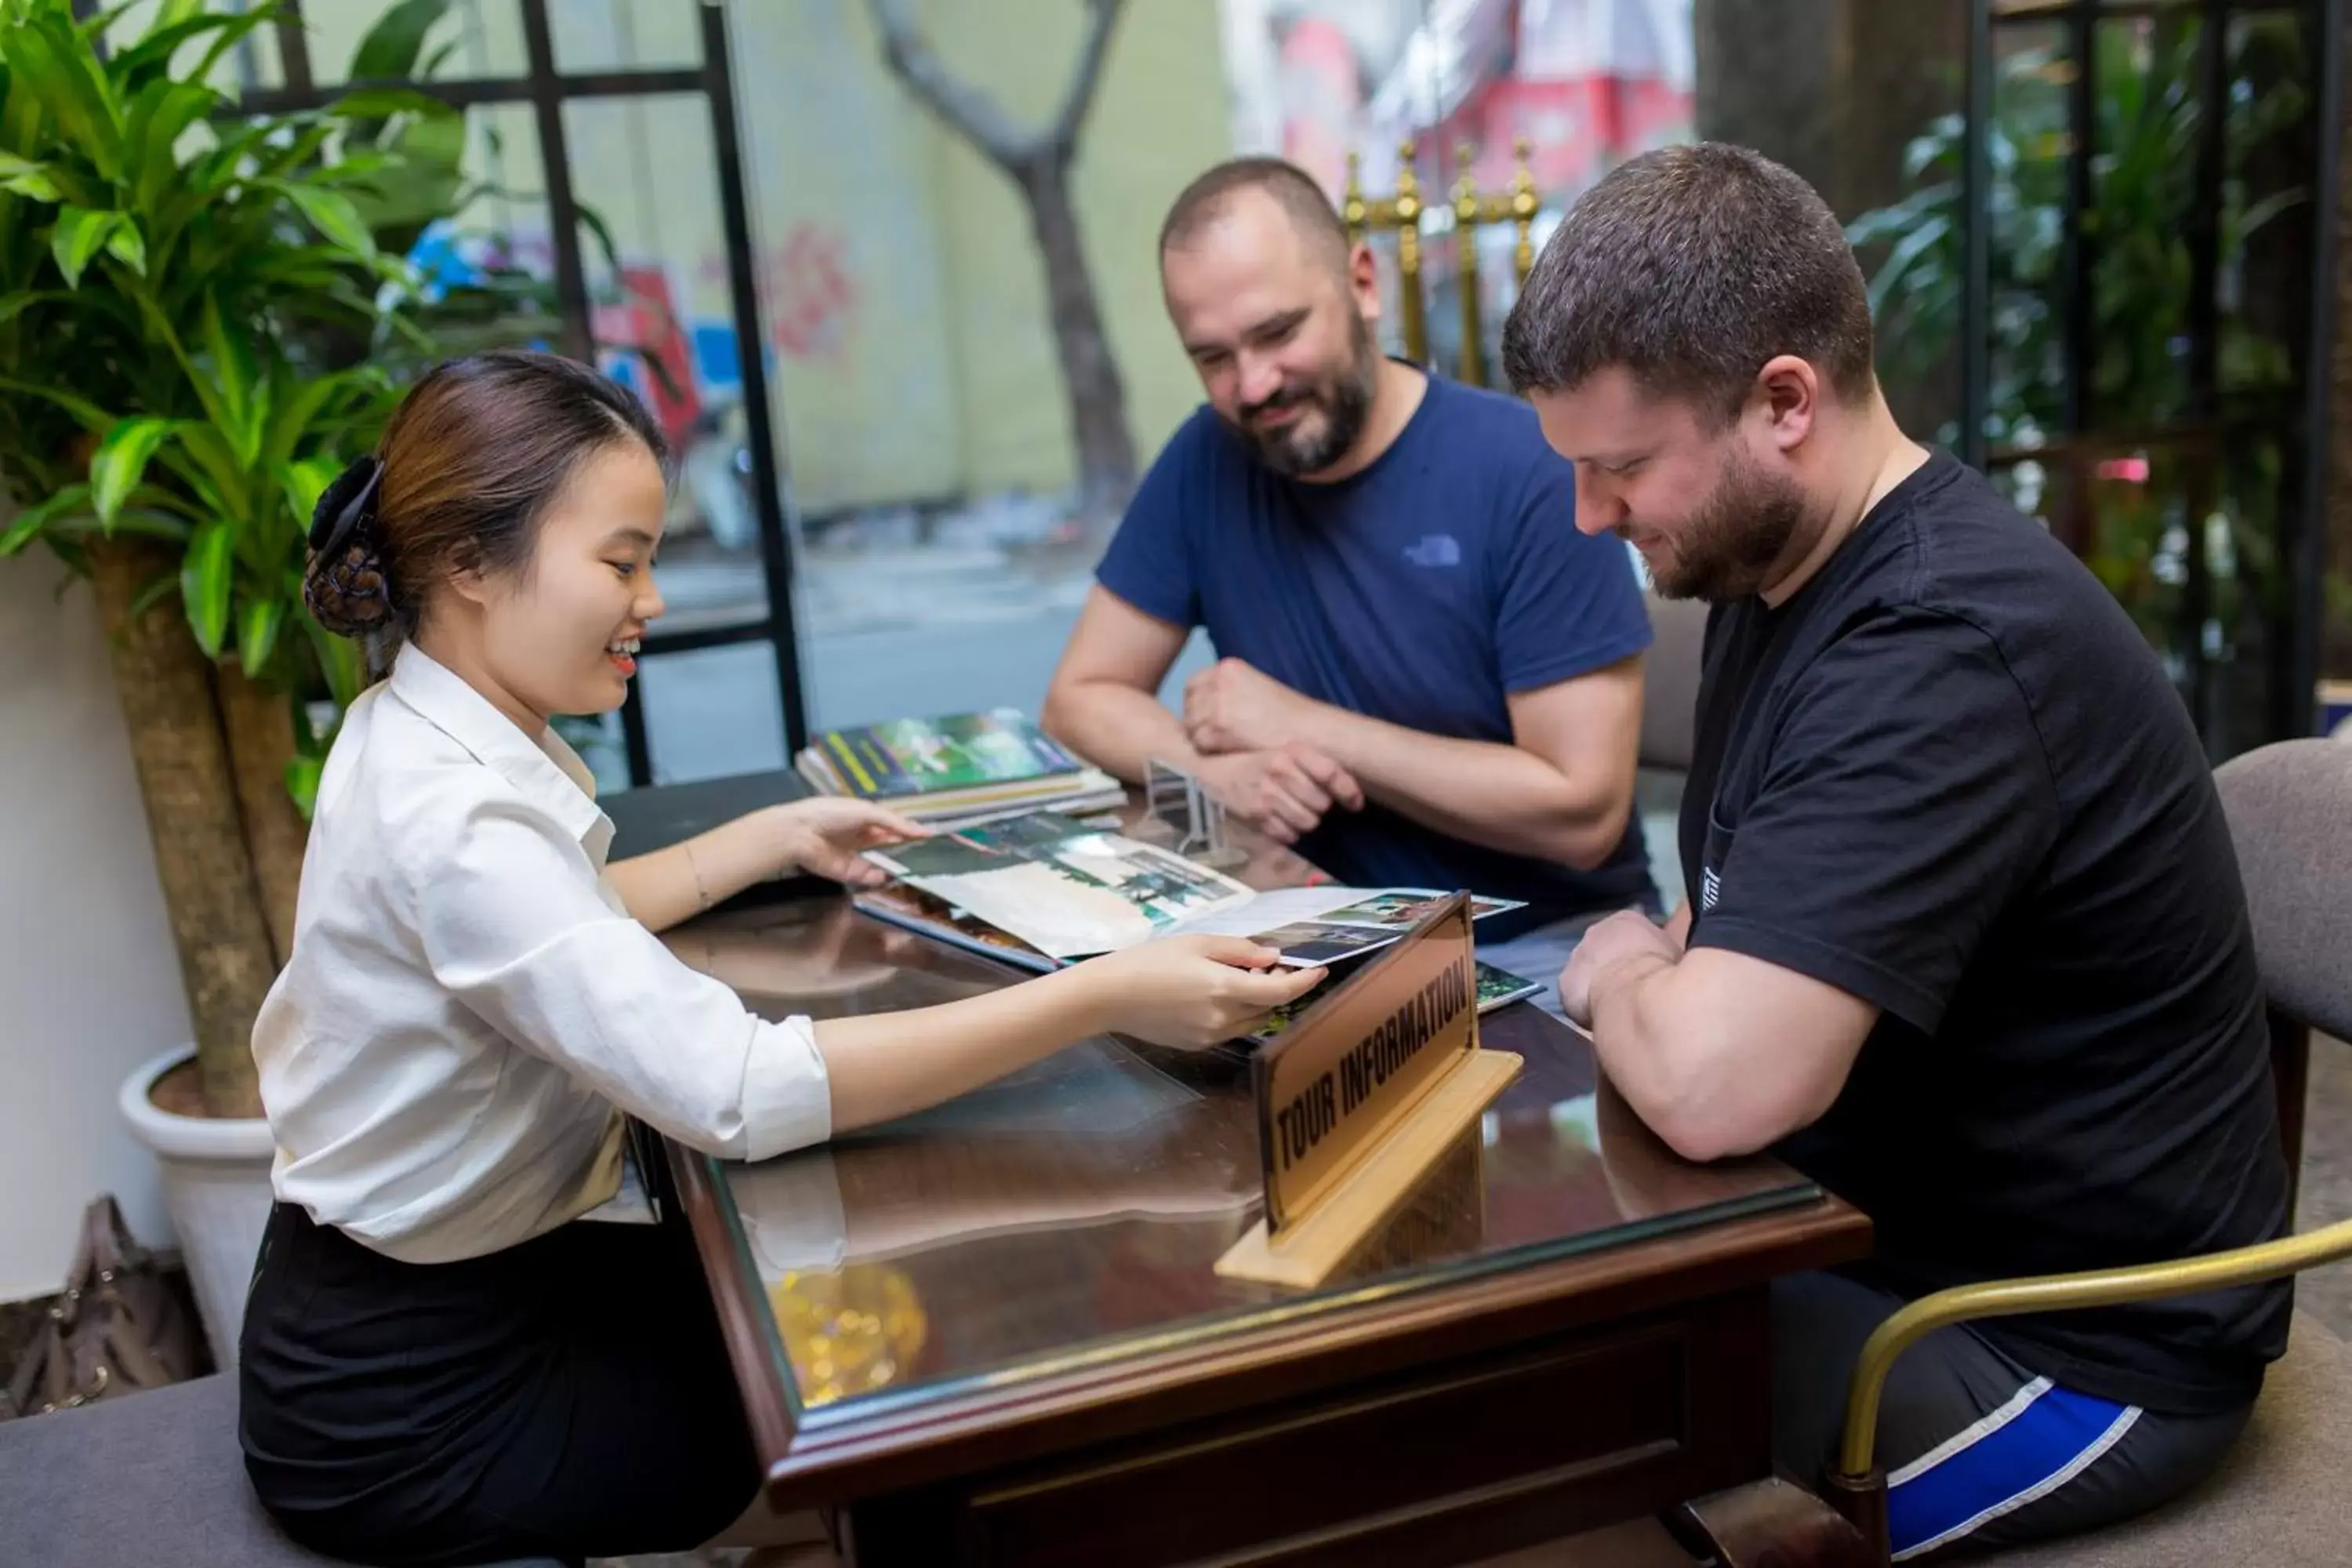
(1427, 677)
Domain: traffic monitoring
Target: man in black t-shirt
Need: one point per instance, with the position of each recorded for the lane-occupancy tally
(1964, 938)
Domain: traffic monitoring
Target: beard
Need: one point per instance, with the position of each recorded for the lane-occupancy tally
(1728, 548)
(1332, 412)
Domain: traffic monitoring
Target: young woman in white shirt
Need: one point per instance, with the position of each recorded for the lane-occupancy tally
(443, 1363)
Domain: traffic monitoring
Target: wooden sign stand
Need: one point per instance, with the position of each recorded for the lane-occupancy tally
(1311, 1248)
(1362, 1097)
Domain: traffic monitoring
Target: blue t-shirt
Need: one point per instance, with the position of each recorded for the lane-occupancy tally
(1421, 590)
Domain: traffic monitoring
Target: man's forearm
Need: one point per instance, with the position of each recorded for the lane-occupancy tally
(1670, 1063)
(1483, 791)
(1716, 1053)
(1641, 1059)
(1117, 728)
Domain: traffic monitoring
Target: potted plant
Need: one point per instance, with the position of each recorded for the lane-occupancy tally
(189, 299)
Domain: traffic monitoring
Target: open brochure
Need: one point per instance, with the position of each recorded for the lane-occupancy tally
(907, 906)
(1496, 988)
(1069, 890)
(1326, 925)
(914, 909)
(1064, 887)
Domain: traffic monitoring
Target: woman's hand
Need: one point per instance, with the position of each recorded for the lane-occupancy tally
(1192, 991)
(825, 834)
(1186, 992)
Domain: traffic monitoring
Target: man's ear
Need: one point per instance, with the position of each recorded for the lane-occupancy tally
(1790, 392)
(1364, 281)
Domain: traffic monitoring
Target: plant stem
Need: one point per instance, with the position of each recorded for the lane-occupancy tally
(259, 723)
(165, 687)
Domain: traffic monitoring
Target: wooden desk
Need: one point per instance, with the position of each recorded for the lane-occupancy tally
(1003, 1342)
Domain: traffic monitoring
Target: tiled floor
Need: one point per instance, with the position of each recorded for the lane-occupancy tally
(2325, 1294)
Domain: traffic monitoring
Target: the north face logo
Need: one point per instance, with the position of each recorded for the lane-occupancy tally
(1710, 888)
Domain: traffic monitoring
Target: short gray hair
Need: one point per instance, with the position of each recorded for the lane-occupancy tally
(1690, 268)
(1302, 201)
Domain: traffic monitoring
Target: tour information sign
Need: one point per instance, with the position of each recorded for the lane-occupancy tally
(1360, 1095)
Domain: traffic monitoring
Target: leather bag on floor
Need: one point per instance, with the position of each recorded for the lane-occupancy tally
(119, 1328)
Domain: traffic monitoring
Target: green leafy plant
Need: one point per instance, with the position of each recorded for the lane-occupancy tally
(190, 302)
(424, 178)
(496, 302)
(424, 181)
(2146, 132)
(168, 271)
(2147, 123)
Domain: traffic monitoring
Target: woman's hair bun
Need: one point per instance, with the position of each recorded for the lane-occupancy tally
(348, 593)
(347, 585)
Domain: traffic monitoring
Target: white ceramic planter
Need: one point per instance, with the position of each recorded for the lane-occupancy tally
(216, 1185)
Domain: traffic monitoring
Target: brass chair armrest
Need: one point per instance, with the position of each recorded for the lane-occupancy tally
(2060, 1292)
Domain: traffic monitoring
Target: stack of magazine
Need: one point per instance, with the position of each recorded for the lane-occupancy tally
(1044, 889)
(960, 768)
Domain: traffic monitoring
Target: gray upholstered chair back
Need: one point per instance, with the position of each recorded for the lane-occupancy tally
(2290, 811)
(1670, 681)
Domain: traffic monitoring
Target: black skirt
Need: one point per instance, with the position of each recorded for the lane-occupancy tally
(568, 1398)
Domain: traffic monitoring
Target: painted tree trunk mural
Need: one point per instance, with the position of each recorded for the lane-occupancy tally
(1038, 162)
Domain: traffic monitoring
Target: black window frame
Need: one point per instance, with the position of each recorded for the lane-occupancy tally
(547, 89)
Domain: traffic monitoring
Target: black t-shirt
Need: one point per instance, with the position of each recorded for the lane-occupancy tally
(1949, 777)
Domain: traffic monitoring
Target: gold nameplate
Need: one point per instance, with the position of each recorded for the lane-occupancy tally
(1356, 1063)
(1364, 1092)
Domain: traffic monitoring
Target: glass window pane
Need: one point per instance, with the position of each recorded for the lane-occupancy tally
(1900, 155)
(472, 39)
(2186, 539)
(2139, 541)
(2145, 187)
(2267, 353)
(643, 168)
(2249, 643)
(866, 676)
(2266, 220)
(2033, 74)
(255, 62)
(713, 712)
(492, 266)
(921, 397)
(624, 34)
(1913, 246)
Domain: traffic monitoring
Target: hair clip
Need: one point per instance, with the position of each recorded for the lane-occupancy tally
(343, 505)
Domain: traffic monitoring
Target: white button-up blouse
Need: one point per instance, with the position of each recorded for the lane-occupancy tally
(469, 1007)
